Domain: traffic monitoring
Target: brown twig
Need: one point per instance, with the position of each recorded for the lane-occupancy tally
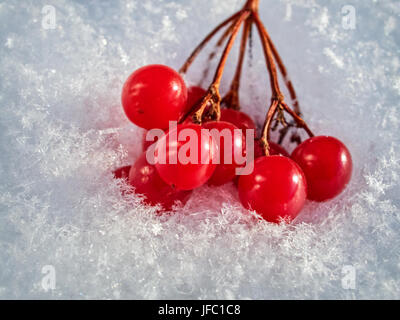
(231, 99)
(267, 125)
(289, 85)
(284, 73)
(277, 96)
(276, 92)
(219, 43)
(300, 122)
(215, 99)
(197, 50)
(211, 101)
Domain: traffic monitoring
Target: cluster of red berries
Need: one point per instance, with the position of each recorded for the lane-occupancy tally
(279, 184)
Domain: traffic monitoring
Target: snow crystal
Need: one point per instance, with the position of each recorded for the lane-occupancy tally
(67, 232)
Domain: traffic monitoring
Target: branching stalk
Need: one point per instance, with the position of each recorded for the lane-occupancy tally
(231, 99)
(197, 50)
(209, 106)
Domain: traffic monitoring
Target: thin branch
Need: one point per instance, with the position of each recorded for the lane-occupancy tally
(285, 76)
(276, 92)
(219, 43)
(267, 125)
(213, 95)
(300, 122)
(218, 74)
(197, 50)
(231, 99)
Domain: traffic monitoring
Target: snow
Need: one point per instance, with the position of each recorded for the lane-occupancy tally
(63, 132)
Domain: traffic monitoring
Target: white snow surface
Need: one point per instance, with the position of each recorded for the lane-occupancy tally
(62, 132)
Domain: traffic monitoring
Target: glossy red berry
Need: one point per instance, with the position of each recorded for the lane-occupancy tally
(184, 156)
(275, 189)
(238, 118)
(122, 173)
(327, 164)
(229, 158)
(147, 143)
(146, 181)
(274, 150)
(194, 95)
(154, 95)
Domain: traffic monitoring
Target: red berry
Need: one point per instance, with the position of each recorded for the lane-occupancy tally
(146, 180)
(184, 157)
(194, 95)
(146, 143)
(327, 164)
(238, 118)
(154, 95)
(225, 171)
(275, 189)
(122, 173)
(274, 149)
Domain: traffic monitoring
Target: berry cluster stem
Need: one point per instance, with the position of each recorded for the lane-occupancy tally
(201, 45)
(209, 106)
(231, 99)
